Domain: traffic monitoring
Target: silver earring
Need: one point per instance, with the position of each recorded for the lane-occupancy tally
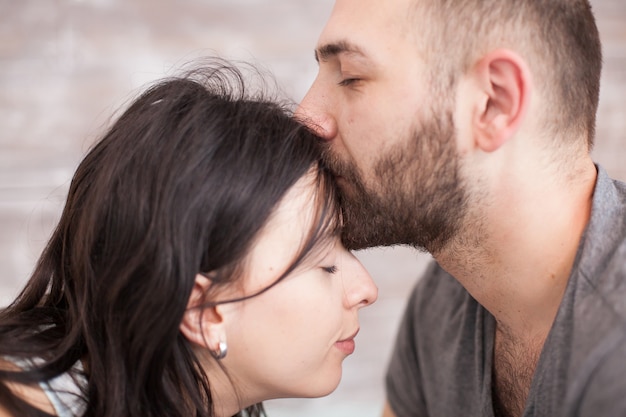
(221, 351)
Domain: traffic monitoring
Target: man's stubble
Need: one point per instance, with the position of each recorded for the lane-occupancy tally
(414, 195)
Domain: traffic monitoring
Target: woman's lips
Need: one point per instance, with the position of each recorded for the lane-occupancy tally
(347, 345)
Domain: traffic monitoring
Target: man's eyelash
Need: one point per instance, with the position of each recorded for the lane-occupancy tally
(330, 269)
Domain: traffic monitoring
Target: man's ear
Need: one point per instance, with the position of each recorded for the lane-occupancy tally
(504, 85)
(203, 326)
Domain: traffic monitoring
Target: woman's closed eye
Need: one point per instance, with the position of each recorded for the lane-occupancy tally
(330, 269)
(346, 82)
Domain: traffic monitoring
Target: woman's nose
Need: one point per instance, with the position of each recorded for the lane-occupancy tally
(360, 288)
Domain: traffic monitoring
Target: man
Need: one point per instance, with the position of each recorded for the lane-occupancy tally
(464, 128)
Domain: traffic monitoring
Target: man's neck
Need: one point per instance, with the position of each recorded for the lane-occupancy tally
(517, 260)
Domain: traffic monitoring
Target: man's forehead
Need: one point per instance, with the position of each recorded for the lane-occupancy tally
(365, 12)
(354, 25)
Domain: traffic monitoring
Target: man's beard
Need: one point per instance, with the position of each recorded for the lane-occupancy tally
(414, 196)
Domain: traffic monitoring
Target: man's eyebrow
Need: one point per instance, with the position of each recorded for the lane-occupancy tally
(330, 50)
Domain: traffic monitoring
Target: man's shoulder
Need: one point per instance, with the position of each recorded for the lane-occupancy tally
(599, 385)
(603, 250)
(435, 281)
(597, 324)
(609, 204)
(437, 295)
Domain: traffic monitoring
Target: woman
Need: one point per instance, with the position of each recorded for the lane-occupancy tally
(196, 269)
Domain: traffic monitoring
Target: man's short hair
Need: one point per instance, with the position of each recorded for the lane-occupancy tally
(558, 39)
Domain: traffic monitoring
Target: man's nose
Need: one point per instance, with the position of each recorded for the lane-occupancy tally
(315, 112)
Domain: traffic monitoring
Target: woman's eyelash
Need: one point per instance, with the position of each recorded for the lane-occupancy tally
(348, 81)
(330, 269)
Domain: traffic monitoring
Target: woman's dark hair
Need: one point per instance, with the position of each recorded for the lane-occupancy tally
(181, 184)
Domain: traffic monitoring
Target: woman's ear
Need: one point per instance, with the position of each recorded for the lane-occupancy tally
(203, 326)
(504, 85)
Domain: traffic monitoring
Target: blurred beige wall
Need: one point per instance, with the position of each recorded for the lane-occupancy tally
(67, 65)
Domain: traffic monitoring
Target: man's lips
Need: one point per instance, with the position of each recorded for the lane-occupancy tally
(347, 345)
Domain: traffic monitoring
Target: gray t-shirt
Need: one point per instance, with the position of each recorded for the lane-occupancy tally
(442, 362)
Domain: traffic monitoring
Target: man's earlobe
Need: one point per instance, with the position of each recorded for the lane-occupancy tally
(505, 84)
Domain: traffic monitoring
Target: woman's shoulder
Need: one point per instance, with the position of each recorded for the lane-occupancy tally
(32, 394)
